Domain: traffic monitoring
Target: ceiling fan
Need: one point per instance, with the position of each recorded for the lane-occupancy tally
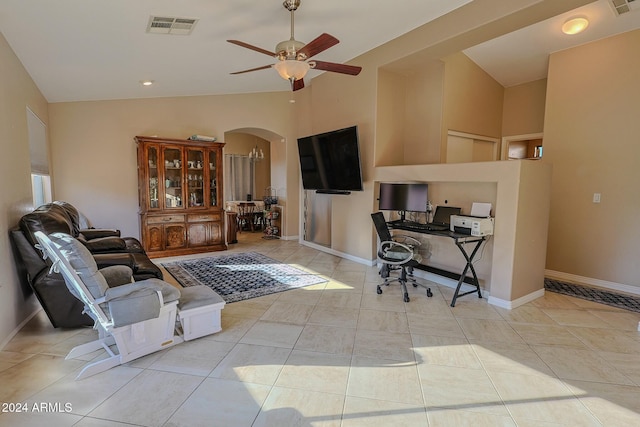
(293, 55)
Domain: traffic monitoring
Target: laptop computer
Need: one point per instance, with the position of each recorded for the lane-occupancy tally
(442, 217)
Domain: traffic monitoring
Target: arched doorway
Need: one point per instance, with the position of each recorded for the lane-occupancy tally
(269, 171)
(246, 177)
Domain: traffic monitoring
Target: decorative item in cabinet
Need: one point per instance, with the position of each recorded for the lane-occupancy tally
(180, 195)
(273, 222)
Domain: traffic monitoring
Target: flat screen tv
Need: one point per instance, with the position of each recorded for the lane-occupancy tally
(330, 161)
(403, 197)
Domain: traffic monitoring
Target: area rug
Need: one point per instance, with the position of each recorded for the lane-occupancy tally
(237, 277)
(626, 302)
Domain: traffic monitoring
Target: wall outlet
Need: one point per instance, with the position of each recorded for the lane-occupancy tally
(596, 197)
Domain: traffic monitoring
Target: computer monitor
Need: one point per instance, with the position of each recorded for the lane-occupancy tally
(403, 197)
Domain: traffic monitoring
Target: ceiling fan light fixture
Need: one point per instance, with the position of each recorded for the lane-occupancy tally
(291, 69)
(575, 25)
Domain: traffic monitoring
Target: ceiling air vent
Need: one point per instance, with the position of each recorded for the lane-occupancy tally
(624, 6)
(170, 25)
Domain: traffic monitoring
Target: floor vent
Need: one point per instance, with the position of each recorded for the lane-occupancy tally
(623, 6)
(170, 25)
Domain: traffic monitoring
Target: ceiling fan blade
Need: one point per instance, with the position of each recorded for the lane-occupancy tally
(264, 67)
(252, 47)
(298, 84)
(336, 68)
(321, 43)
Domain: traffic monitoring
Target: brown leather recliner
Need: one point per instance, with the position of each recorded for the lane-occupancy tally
(107, 247)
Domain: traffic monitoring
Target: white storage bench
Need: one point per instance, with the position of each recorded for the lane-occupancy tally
(199, 310)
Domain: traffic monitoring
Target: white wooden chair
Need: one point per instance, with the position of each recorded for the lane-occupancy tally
(133, 320)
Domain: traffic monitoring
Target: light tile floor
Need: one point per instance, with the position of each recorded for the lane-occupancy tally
(338, 354)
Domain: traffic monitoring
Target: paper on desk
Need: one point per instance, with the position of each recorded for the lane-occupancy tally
(481, 209)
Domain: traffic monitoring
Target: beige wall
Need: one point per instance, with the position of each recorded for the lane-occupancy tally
(472, 100)
(591, 136)
(523, 111)
(94, 158)
(465, 87)
(390, 119)
(409, 115)
(469, 101)
(17, 92)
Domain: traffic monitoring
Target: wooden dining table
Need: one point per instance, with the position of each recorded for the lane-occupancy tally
(232, 205)
(250, 213)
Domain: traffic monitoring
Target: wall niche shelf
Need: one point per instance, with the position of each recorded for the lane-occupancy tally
(522, 147)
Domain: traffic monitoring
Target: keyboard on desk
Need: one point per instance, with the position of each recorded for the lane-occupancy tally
(417, 226)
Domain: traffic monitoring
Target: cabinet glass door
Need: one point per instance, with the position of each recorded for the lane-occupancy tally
(195, 178)
(152, 185)
(213, 181)
(173, 178)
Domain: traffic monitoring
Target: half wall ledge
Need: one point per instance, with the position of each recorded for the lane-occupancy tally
(521, 213)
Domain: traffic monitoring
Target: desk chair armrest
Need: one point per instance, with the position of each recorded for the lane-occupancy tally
(95, 233)
(395, 253)
(407, 240)
(104, 244)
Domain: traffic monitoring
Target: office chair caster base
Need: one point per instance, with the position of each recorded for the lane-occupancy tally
(429, 293)
(406, 297)
(379, 290)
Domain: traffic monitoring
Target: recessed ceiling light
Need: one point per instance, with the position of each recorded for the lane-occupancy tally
(575, 25)
(146, 82)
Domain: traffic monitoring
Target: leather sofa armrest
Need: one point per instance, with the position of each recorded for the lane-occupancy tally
(104, 244)
(29, 261)
(107, 260)
(95, 233)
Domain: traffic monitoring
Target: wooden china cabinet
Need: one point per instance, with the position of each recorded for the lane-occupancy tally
(180, 194)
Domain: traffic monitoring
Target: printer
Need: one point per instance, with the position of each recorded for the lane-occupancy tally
(471, 225)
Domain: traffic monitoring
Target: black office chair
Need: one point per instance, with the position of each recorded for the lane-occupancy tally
(397, 253)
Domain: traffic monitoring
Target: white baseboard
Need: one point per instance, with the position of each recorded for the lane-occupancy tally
(509, 305)
(17, 328)
(337, 253)
(559, 275)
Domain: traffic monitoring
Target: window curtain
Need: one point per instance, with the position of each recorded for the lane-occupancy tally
(239, 177)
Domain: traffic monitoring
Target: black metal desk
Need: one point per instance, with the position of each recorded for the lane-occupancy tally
(460, 240)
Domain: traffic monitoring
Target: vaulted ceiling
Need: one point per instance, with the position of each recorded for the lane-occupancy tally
(96, 49)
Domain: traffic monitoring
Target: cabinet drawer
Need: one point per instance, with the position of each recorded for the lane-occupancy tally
(164, 219)
(204, 217)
